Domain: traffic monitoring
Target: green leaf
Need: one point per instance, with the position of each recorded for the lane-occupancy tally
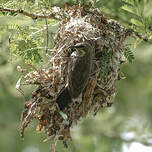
(129, 55)
(130, 9)
(106, 56)
(136, 22)
(148, 10)
(131, 2)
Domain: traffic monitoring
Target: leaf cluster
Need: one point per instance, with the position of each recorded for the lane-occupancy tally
(129, 55)
(106, 56)
(27, 37)
(140, 12)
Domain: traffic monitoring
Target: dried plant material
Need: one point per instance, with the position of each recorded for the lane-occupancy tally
(78, 25)
(18, 86)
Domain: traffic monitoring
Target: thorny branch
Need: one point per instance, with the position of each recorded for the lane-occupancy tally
(52, 16)
(136, 34)
(33, 16)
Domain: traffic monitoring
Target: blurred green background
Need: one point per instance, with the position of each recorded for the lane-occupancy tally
(124, 127)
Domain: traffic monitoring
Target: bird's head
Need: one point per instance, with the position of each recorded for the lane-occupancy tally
(80, 48)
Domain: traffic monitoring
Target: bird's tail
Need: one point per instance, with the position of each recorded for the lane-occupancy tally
(64, 99)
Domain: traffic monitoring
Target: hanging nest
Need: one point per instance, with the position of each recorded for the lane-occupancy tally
(78, 24)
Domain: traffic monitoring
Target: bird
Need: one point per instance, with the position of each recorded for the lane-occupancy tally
(79, 69)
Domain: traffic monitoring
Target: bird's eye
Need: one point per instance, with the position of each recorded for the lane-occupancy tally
(72, 50)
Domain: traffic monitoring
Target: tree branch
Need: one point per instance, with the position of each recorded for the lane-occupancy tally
(33, 16)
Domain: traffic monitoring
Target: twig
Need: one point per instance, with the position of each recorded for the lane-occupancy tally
(117, 18)
(131, 32)
(47, 33)
(136, 34)
(140, 36)
(33, 16)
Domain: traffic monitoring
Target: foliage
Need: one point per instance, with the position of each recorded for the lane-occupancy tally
(106, 56)
(141, 15)
(129, 55)
(19, 29)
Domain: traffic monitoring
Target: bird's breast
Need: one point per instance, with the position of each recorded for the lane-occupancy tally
(79, 72)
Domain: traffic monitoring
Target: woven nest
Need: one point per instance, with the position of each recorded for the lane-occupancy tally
(78, 24)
